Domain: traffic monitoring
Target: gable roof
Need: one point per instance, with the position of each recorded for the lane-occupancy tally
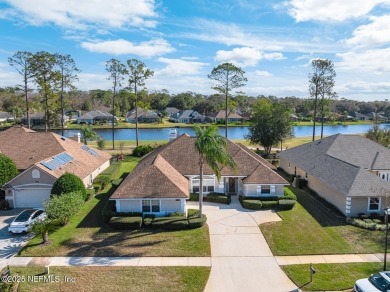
(185, 114)
(231, 115)
(94, 114)
(27, 147)
(342, 161)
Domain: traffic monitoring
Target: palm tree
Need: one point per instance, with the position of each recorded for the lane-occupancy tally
(212, 149)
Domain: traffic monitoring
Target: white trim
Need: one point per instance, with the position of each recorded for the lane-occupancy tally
(379, 204)
(35, 184)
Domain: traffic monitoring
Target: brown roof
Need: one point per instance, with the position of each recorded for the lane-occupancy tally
(153, 180)
(27, 147)
(231, 115)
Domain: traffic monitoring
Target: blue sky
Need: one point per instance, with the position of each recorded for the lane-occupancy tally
(182, 40)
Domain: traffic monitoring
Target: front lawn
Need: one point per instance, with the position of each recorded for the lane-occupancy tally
(117, 278)
(311, 227)
(330, 277)
(88, 235)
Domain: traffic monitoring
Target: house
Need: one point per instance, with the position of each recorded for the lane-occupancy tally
(200, 119)
(232, 116)
(36, 119)
(5, 116)
(351, 172)
(361, 117)
(163, 180)
(294, 118)
(376, 116)
(42, 157)
(184, 117)
(95, 116)
(171, 111)
(144, 116)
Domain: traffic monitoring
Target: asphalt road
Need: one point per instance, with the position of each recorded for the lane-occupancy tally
(10, 243)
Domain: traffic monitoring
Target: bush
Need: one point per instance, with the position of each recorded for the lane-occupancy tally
(68, 183)
(102, 180)
(147, 222)
(62, 207)
(288, 195)
(197, 222)
(170, 223)
(4, 205)
(117, 182)
(252, 204)
(125, 223)
(90, 194)
(8, 169)
(194, 197)
(371, 224)
(101, 144)
(112, 171)
(218, 198)
(142, 150)
(108, 210)
(269, 204)
(191, 213)
(176, 214)
(286, 204)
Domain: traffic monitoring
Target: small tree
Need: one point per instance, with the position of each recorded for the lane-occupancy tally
(379, 135)
(43, 227)
(62, 208)
(87, 132)
(101, 144)
(8, 169)
(68, 183)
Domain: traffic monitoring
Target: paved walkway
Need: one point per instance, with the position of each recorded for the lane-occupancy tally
(329, 259)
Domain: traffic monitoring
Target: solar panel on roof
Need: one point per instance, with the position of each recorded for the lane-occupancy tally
(89, 150)
(57, 161)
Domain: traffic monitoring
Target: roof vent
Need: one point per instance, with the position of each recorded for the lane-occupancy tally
(63, 138)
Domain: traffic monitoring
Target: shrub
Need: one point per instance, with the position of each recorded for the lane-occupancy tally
(194, 197)
(68, 183)
(288, 194)
(147, 222)
(90, 194)
(102, 180)
(252, 204)
(286, 204)
(197, 222)
(125, 223)
(101, 144)
(142, 150)
(61, 208)
(170, 223)
(191, 213)
(218, 198)
(112, 171)
(108, 210)
(4, 205)
(367, 224)
(269, 204)
(8, 169)
(176, 214)
(117, 182)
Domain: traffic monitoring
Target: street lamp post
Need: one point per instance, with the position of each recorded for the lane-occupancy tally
(387, 210)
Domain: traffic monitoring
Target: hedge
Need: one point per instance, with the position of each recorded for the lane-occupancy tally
(117, 182)
(219, 198)
(194, 197)
(67, 183)
(102, 180)
(170, 223)
(90, 194)
(112, 171)
(125, 223)
(269, 204)
(197, 222)
(252, 204)
(108, 210)
(371, 224)
(288, 195)
(191, 213)
(286, 204)
(142, 150)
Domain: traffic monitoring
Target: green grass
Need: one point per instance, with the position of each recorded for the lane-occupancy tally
(330, 277)
(333, 123)
(88, 235)
(311, 227)
(117, 278)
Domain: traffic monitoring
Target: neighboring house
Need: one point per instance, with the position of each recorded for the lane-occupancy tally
(144, 116)
(361, 117)
(351, 172)
(42, 157)
(95, 116)
(5, 116)
(232, 116)
(171, 111)
(184, 117)
(163, 180)
(201, 119)
(36, 119)
(294, 118)
(376, 116)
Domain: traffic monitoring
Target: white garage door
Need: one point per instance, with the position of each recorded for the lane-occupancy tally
(31, 198)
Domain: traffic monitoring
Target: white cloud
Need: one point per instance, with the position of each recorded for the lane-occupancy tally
(330, 10)
(246, 56)
(88, 81)
(83, 14)
(372, 61)
(262, 73)
(189, 58)
(372, 34)
(154, 47)
(178, 67)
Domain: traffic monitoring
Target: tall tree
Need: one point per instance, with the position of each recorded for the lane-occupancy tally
(116, 70)
(271, 124)
(21, 61)
(321, 82)
(212, 149)
(137, 73)
(47, 77)
(67, 68)
(228, 77)
(87, 132)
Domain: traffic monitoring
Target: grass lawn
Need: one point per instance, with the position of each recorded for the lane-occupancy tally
(118, 278)
(313, 228)
(330, 277)
(88, 235)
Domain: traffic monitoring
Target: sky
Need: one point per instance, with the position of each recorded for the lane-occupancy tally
(273, 41)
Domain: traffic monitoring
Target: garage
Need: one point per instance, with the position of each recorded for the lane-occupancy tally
(31, 198)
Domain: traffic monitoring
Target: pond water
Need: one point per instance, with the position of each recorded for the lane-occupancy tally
(237, 133)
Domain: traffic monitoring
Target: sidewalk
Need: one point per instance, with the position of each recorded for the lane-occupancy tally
(329, 259)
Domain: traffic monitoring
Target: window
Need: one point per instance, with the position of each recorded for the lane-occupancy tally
(373, 204)
(266, 189)
(36, 174)
(273, 189)
(145, 205)
(155, 206)
(289, 165)
(150, 206)
(208, 184)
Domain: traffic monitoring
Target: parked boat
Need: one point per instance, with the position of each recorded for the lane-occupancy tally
(172, 134)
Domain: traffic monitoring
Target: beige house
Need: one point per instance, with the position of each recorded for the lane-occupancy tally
(351, 172)
(42, 157)
(163, 180)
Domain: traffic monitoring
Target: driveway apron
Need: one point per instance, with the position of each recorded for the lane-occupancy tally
(240, 256)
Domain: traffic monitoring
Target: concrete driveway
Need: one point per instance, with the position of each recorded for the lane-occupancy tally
(240, 256)
(10, 243)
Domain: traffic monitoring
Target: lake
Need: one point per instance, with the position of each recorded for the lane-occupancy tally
(235, 133)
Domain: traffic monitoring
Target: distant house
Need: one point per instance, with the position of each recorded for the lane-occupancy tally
(200, 119)
(162, 181)
(350, 172)
(95, 116)
(361, 117)
(5, 116)
(232, 116)
(375, 116)
(171, 111)
(294, 118)
(185, 116)
(41, 158)
(144, 116)
(36, 119)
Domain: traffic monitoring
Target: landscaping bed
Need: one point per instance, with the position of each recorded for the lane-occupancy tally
(212, 197)
(285, 202)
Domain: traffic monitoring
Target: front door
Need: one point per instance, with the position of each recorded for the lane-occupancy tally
(232, 185)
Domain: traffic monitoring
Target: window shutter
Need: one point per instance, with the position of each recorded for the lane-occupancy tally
(258, 188)
(273, 189)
